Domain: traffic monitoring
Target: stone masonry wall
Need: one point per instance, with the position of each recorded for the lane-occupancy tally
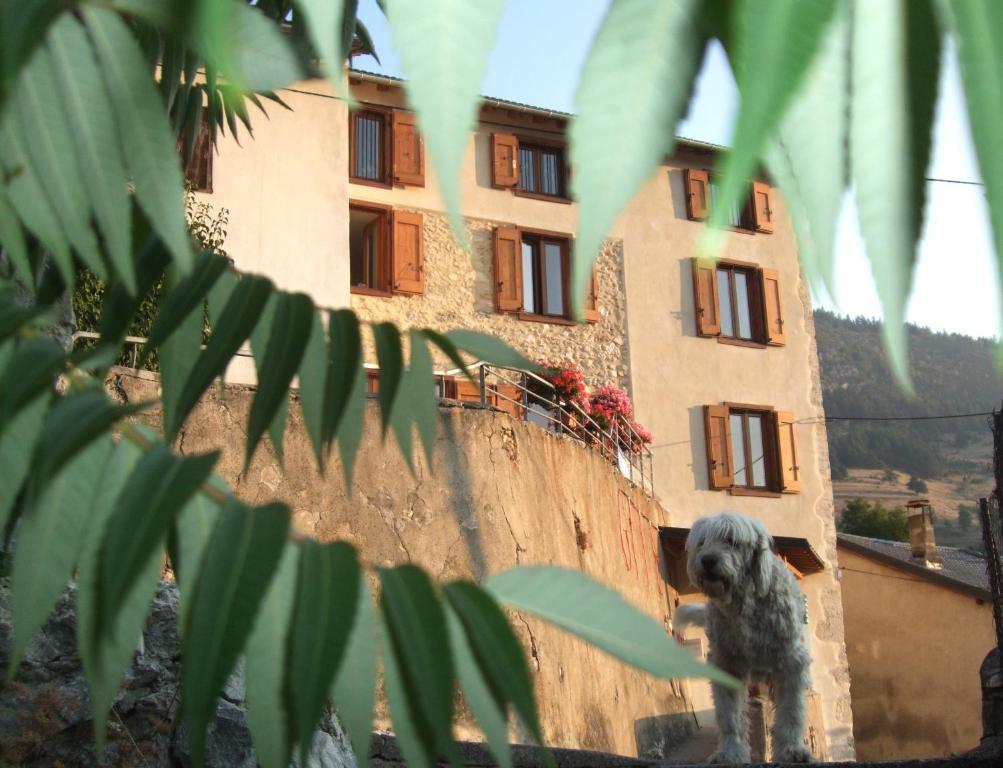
(458, 294)
(499, 492)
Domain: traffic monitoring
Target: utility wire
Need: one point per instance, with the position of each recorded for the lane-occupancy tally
(956, 181)
(904, 418)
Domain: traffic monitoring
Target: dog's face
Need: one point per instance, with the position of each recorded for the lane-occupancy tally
(727, 553)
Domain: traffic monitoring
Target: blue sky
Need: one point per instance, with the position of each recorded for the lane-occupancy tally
(540, 49)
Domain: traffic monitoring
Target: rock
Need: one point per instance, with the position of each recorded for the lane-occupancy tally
(45, 717)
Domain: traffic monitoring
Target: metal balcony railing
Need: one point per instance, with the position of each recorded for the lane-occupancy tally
(532, 398)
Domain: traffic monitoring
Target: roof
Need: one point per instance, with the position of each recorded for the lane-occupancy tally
(962, 569)
(519, 106)
(796, 551)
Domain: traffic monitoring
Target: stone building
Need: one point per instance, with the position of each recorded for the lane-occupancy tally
(719, 359)
(919, 623)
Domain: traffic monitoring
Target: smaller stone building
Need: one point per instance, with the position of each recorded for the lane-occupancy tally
(918, 623)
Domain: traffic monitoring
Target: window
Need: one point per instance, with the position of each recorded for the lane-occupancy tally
(386, 250)
(196, 156)
(531, 271)
(738, 303)
(541, 170)
(385, 147)
(751, 449)
(754, 213)
(528, 168)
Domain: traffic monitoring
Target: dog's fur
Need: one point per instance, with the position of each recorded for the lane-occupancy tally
(753, 623)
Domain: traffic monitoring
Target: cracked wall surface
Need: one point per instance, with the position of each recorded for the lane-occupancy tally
(500, 492)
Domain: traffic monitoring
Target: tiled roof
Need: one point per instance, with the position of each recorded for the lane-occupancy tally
(962, 568)
(522, 107)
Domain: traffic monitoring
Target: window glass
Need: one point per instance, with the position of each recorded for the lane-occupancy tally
(738, 448)
(735, 210)
(554, 278)
(365, 247)
(528, 278)
(724, 302)
(757, 447)
(527, 169)
(549, 178)
(368, 146)
(742, 304)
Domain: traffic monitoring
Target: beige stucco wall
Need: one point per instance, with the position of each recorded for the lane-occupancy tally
(674, 373)
(499, 492)
(286, 190)
(915, 648)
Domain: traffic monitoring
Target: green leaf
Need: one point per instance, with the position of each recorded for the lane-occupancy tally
(450, 349)
(444, 47)
(148, 144)
(490, 349)
(242, 312)
(266, 667)
(391, 362)
(352, 424)
(497, 651)
(188, 295)
(267, 646)
(17, 445)
(12, 239)
(576, 603)
(419, 641)
(180, 350)
(192, 530)
(774, 45)
(89, 116)
(159, 487)
(895, 72)
(49, 535)
(219, 295)
(325, 605)
(31, 370)
(263, 59)
(323, 20)
(105, 659)
(239, 563)
(489, 711)
(354, 690)
(313, 378)
(23, 28)
(632, 91)
(27, 197)
(416, 744)
(74, 421)
(809, 158)
(976, 25)
(39, 109)
(287, 339)
(426, 408)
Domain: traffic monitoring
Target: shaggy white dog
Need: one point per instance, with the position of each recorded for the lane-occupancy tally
(753, 623)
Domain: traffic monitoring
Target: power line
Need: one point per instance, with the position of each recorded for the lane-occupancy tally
(907, 418)
(956, 181)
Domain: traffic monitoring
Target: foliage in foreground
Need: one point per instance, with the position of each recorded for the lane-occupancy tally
(90, 495)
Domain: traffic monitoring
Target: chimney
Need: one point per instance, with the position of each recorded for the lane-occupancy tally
(921, 538)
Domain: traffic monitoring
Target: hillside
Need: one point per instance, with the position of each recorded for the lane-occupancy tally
(952, 374)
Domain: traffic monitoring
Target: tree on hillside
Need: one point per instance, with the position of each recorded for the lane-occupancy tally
(874, 521)
(917, 485)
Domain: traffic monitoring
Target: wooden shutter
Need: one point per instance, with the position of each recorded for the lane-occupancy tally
(508, 269)
(504, 160)
(592, 298)
(409, 155)
(508, 397)
(468, 391)
(762, 209)
(697, 183)
(407, 258)
(773, 308)
(708, 314)
(718, 439)
(787, 450)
